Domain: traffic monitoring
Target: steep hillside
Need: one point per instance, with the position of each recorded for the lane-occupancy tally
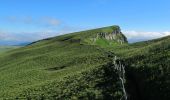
(7, 48)
(68, 66)
(147, 69)
(92, 64)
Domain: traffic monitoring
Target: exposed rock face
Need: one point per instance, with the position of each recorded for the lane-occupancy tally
(116, 35)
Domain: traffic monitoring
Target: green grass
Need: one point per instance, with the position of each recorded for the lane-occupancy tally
(34, 71)
(147, 68)
(72, 66)
(7, 48)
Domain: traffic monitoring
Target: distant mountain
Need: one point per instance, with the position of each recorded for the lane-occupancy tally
(13, 43)
(93, 64)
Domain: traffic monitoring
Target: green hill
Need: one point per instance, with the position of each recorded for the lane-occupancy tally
(147, 69)
(67, 66)
(82, 65)
(7, 48)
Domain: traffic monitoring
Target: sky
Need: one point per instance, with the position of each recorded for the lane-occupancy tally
(24, 21)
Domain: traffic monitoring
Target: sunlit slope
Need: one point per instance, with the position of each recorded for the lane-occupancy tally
(60, 67)
(7, 48)
(80, 66)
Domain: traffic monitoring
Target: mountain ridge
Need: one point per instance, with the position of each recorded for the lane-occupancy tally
(74, 66)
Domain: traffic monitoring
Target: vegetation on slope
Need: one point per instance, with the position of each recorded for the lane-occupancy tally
(66, 66)
(7, 48)
(147, 69)
(80, 66)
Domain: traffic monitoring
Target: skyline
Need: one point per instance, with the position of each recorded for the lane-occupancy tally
(27, 21)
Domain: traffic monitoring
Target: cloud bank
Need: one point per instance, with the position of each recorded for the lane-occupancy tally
(135, 36)
(13, 38)
(44, 26)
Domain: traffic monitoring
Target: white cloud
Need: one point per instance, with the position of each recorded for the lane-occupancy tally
(47, 27)
(30, 36)
(46, 32)
(41, 21)
(5, 36)
(134, 36)
(166, 33)
(50, 21)
(24, 36)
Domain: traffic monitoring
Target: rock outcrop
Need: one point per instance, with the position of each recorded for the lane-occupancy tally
(115, 35)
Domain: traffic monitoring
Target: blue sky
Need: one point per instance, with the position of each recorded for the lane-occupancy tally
(30, 20)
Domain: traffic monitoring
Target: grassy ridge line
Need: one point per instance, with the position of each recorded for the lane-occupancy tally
(82, 36)
(130, 50)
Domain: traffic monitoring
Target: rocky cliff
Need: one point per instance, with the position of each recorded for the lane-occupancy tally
(113, 34)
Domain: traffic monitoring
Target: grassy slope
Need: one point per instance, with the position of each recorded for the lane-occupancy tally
(65, 66)
(72, 66)
(7, 48)
(147, 68)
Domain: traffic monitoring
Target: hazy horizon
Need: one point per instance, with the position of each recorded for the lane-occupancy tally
(27, 21)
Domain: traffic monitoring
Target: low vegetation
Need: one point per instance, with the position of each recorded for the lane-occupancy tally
(7, 48)
(80, 66)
